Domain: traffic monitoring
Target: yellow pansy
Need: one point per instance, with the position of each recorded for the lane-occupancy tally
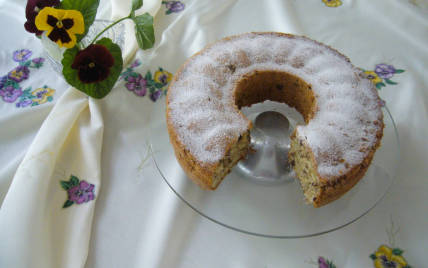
(163, 77)
(42, 94)
(373, 77)
(385, 257)
(332, 3)
(61, 25)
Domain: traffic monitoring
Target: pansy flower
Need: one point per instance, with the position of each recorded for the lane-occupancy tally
(93, 64)
(42, 95)
(10, 94)
(32, 10)
(19, 73)
(22, 55)
(137, 84)
(163, 77)
(61, 25)
(174, 6)
(373, 77)
(3, 81)
(332, 3)
(385, 257)
(81, 193)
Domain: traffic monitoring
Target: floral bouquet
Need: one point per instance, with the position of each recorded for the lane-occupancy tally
(93, 69)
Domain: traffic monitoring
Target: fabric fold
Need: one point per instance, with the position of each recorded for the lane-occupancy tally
(50, 203)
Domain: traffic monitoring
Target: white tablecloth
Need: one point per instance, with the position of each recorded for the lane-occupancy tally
(140, 222)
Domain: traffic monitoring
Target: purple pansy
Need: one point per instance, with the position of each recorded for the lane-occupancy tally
(174, 6)
(3, 81)
(24, 103)
(22, 55)
(81, 193)
(385, 71)
(137, 84)
(155, 95)
(19, 73)
(10, 94)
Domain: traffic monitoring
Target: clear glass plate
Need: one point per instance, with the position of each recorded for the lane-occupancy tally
(274, 210)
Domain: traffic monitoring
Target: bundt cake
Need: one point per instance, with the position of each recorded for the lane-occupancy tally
(340, 105)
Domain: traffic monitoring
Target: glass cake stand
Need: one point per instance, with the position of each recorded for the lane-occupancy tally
(260, 197)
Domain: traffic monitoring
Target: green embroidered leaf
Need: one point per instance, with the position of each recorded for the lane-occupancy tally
(12, 83)
(362, 69)
(68, 203)
(88, 8)
(149, 76)
(373, 257)
(168, 12)
(96, 90)
(160, 69)
(330, 264)
(50, 99)
(164, 2)
(158, 85)
(407, 266)
(66, 185)
(27, 63)
(399, 71)
(134, 74)
(34, 104)
(397, 252)
(378, 86)
(27, 91)
(74, 180)
(144, 31)
(136, 4)
(389, 82)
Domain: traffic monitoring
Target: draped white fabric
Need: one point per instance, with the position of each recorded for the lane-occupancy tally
(134, 219)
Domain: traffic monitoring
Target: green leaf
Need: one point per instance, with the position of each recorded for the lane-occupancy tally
(50, 99)
(34, 104)
(144, 31)
(389, 82)
(68, 203)
(66, 185)
(399, 71)
(149, 76)
(158, 85)
(88, 8)
(378, 86)
(96, 90)
(397, 252)
(74, 180)
(136, 4)
(373, 257)
(168, 12)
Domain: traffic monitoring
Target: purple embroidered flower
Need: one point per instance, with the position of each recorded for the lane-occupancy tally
(174, 7)
(385, 71)
(136, 64)
(24, 103)
(155, 95)
(38, 60)
(32, 10)
(22, 55)
(322, 263)
(137, 84)
(81, 193)
(3, 81)
(10, 94)
(19, 73)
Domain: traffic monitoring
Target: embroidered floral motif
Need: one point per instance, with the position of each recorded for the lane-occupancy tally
(381, 76)
(173, 6)
(323, 263)
(10, 90)
(389, 256)
(155, 86)
(332, 3)
(79, 192)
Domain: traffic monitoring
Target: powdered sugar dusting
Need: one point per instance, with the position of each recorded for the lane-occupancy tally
(204, 115)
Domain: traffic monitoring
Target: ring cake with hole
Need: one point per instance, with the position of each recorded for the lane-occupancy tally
(339, 103)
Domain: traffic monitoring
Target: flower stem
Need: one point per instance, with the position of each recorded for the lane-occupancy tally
(111, 25)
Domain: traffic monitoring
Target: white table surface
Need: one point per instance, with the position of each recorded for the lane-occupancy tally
(140, 222)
